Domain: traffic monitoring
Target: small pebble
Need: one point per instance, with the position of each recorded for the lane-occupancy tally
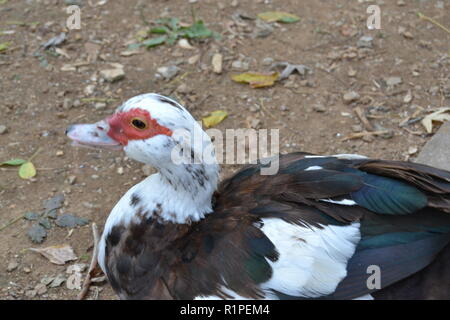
(239, 65)
(100, 106)
(168, 72)
(59, 153)
(3, 129)
(267, 61)
(217, 63)
(120, 170)
(184, 43)
(113, 75)
(412, 150)
(351, 96)
(30, 293)
(71, 180)
(365, 42)
(319, 108)
(40, 289)
(393, 81)
(13, 265)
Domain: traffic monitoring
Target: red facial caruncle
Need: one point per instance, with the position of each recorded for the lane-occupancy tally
(135, 124)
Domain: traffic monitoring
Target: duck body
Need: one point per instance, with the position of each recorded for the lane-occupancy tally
(298, 234)
(317, 229)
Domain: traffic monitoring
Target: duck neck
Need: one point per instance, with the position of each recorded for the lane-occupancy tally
(179, 194)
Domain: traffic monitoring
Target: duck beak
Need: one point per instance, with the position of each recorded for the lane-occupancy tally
(92, 135)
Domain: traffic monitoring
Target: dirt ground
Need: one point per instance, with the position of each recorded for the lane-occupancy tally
(39, 100)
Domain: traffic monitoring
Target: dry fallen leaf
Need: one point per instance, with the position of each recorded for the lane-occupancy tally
(58, 254)
(440, 115)
(278, 16)
(257, 79)
(215, 118)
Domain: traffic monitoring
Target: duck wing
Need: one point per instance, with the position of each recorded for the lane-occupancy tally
(400, 210)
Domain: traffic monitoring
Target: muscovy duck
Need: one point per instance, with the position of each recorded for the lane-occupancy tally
(312, 230)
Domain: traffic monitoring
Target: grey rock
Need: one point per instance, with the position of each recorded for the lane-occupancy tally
(59, 280)
(393, 81)
(30, 293)
(113, 75)
(100, 106)
(55, 41)
(71, 180)
(267, 61)
(3, 129)
(40, 289)
(319, 108)
(168, 72)
(13, 265)
(365, 42)
(350, 97)
(239, 65)
(436, 151)
(67, 103)
(46, 280)
(262, 29)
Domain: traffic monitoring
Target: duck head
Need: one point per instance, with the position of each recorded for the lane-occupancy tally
(149, 128)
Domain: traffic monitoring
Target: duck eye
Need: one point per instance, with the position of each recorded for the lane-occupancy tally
(139, 124)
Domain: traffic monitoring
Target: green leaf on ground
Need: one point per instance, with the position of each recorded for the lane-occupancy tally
(14, 162)
(160, 30)
(172, 30)
(27, 170)
(197, 30)
(4, 46)
(153, 42)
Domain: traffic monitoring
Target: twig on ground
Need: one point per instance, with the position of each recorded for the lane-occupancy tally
(363, 134)
(360, 113)
(424, 17)
(11, 222)
(88, 279)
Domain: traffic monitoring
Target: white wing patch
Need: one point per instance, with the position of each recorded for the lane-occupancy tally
(347, 156)
(313, 168)
(312, 261)
(344, 202)
(225, 290)
(365, 297)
